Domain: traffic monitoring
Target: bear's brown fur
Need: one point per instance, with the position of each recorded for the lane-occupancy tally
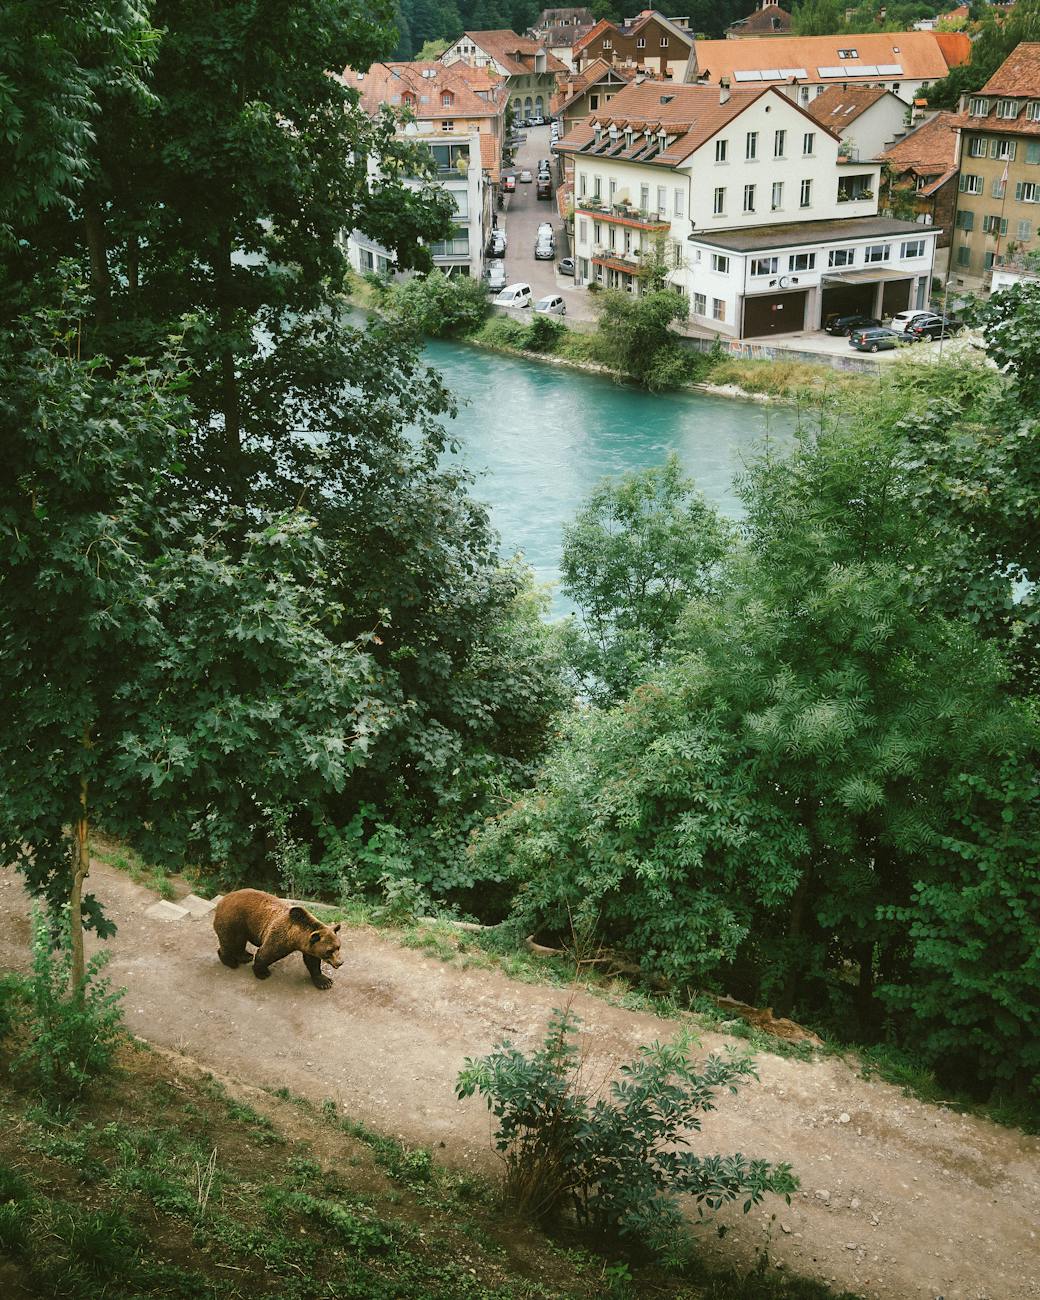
(275, 928)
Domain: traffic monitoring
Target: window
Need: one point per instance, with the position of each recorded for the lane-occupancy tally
(700, 304)
(970, 184)
(1025, 231)
(978, 107)
(841, 257)
(848, 54)
(1007, 108)
(912, 248)
(664, 42)
(719, 204)
(751, 145)
(964, 255)
(1027, 192)
(677, 207)
(998, 188)
(805, 196)
(801, 261)
(749, 198)
(965, 220)
(594, 102)
(1002, 149)
(612, 190)
(977, 146)
(987, 260)
(877, 253)
(447, 99)
(779, 143)
(1033, 151)
(448, 126)
(721, 148)
(1033, 111)
(778, 196)
(808, 143)
(581, 185)
(718, 309)
(720, 263)
(644, 198)
(641, 43)
(597, 233)
(994, 225)
(583, 231)
(662, 199)
(597, 187)
(608, 45)
(764, 265)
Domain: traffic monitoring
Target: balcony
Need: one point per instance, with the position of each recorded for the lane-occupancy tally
(855, 189)
(614, 259)
(621, 214)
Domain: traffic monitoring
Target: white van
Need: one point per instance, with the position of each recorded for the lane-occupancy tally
(496, 277)
(514, 295)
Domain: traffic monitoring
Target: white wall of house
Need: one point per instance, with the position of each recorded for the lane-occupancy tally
(875, 129)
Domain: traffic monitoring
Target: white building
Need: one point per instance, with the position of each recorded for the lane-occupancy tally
(761, 223)
(867, 118)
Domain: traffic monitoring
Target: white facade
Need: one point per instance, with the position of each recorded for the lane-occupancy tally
(875, 129)
(471, 192)
(766, 207)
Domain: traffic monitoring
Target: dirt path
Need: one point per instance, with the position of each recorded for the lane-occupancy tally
(900, 1200)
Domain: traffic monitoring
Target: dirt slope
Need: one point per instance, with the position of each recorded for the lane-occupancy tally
(900, 1200)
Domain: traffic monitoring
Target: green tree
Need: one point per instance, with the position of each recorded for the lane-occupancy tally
(634, 336)
(817, 18)
(441, 306)
(999, 34)
(638, 552)
(431, 50)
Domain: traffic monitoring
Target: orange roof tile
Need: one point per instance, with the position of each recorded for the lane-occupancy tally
(421, 86)
(918, 54)
(515, 53)
(1019, 74)
(836, 107)
(601, 28)
(956, 47)
(930, 150)
(770, 18)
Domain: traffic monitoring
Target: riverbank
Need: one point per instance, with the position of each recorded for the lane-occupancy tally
(793, 383)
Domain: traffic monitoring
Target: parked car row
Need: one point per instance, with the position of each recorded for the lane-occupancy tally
(908, 326)
(519, 295)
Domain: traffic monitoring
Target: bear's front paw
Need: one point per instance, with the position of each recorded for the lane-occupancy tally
(261, 972)
(322, 982)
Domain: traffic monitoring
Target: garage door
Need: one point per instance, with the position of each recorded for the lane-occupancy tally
(847, 300)
(896, 296)
(774, 313)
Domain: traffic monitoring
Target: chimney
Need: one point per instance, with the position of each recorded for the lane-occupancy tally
(724, 90)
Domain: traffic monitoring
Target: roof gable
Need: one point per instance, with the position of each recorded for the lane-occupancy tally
(878, 55)
(1019, 74)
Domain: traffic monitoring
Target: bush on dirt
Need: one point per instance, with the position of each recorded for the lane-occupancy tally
(614, 1162)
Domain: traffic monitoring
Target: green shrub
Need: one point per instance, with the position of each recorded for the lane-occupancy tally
(614, 1163)
(73, 1034)
(13, 993)
(503, 332)
(544, 334)
(441, 306)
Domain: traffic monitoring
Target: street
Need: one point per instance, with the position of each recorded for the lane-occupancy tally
(523, 213)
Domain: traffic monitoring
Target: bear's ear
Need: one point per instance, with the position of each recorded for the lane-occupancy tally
(315, 937)
(335, 928)
(300, 915)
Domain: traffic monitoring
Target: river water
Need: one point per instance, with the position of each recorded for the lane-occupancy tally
(539, 437)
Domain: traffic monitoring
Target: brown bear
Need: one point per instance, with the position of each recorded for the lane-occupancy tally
(276, 929)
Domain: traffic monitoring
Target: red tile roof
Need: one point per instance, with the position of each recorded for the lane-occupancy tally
(1019, 74)
(956, 47)
(690, 116)
(919, 54)
(836, 107)
(769, 18)
(577, 83)
(514, 53)
(421, 86)
(930, 150)
(601, 28)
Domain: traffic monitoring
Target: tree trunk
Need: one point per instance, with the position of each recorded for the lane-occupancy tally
(866, 1009)
(795, 927)
(80, 867)
(100, 279)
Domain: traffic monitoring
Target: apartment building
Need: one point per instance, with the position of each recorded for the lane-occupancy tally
(588, 91)
(458, 113)
(758, 219)
(526, 67)
(556, 30)
(805, 66)
(922, 177)
(998, 204)
(660, 46)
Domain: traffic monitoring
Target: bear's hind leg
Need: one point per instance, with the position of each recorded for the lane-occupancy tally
(235, 959)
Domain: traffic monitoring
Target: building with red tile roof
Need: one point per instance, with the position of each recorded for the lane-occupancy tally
(922, 173)
(805, 66)
(528, 69)
(650, 40)
(868, 118)
(767, 20)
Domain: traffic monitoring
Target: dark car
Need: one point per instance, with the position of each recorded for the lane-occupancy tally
(876, 339)
(846, 324)
(933, 327)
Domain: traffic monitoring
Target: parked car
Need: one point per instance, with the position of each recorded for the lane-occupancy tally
(877, 339)
(525, 177)
(537, 121)
(544, 164)
(499, 243)
(544, 175)
(544, 250)
(545, 231)
(543, 190)
(514, 295)
(934, 327)
(846, 324)
(902, 320)
(565, 266)
(551, 305)
(509, 184)
(495, 275)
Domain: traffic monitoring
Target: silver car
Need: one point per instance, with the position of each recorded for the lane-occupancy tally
(551, 305)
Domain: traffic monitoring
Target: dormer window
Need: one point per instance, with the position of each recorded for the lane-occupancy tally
(447, 99)
(662, 140)
(628, 137)
(1033, 111)
(1007, 108)
(408, 99)
(848, 54)
(978, 107)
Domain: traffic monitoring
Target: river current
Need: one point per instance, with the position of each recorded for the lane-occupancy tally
(539, 437)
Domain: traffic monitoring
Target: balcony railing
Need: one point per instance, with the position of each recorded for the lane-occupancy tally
(631, 263)
(623, 214)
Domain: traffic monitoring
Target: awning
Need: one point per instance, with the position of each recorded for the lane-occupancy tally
(865, 276)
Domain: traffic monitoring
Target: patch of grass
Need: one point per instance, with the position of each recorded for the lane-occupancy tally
(799, 381)
(143, 873)
(263, 1130)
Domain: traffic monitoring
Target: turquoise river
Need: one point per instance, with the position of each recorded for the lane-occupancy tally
(539, 437)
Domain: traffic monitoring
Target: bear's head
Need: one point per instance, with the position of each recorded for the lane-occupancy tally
(322, 941)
